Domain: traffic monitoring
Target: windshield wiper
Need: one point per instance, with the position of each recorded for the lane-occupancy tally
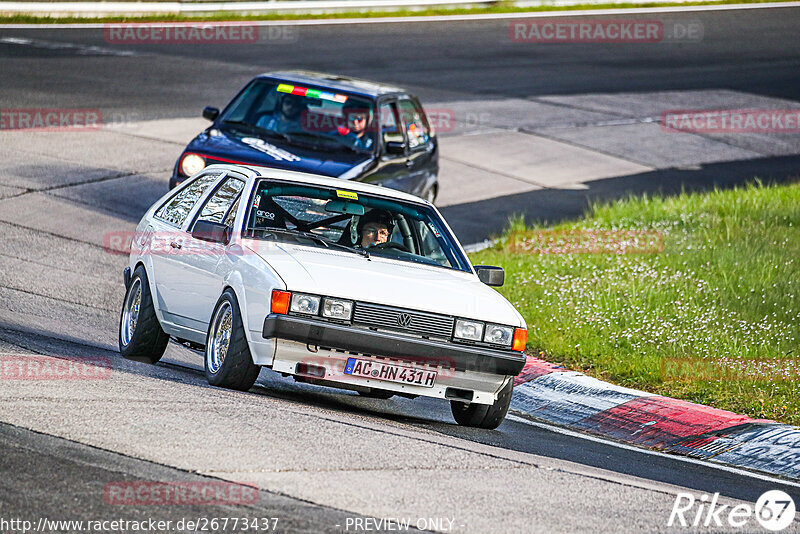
(309, 235)
(252, 128)
(309, 140)
(359, 251)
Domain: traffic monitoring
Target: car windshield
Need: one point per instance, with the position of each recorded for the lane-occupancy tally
(303, 116)
(354, 222)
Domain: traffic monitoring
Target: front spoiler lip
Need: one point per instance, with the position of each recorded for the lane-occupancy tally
(347, 338)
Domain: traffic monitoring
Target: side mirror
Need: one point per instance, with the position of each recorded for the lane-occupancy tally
(396, 148)
(210, 113)
(491, 276)
(211, 231)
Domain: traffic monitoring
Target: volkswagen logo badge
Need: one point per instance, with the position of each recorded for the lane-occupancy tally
(404, 320)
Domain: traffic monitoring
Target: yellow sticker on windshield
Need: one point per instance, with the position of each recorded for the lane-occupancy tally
(346, 194)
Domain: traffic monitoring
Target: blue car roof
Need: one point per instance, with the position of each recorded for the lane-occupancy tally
(334, 82)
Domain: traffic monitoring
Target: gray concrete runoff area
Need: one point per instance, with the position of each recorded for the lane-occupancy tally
(540, 131)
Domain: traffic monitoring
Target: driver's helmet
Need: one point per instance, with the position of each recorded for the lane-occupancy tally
(376, 216)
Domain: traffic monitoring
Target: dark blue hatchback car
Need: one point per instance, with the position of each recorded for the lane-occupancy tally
(322, 124)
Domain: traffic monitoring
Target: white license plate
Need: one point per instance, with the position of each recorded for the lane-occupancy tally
(389, 373)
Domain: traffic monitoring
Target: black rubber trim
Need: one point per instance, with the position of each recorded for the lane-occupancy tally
(126, 276)
(329, 335)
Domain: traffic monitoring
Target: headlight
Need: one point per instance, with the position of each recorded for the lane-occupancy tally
(307, 304)
(337, 309)
(191, 164)
(471, 330)
(498, 335)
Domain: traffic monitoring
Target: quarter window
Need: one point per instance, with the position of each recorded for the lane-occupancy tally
(416, 127)
(178, 208)
(389, 129)
(232, 213)
(223, 198)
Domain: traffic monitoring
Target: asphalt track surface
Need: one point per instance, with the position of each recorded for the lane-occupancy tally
(322, 457)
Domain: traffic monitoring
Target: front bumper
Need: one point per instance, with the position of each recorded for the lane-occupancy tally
(373, 343)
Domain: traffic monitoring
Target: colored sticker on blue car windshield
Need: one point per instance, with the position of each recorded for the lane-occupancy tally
(311, 93)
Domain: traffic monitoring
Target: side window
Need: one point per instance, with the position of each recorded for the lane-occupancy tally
(232, 213)
(389, 129)
(175, 210)
(218, 204)
(430, 245)
(412, 119)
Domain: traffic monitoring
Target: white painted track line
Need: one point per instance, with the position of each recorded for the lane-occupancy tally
(439, 18)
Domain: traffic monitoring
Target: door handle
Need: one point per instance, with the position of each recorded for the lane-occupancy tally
(175, 244)
(409, 163)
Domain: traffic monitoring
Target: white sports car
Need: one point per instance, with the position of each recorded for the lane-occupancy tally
(336, 283)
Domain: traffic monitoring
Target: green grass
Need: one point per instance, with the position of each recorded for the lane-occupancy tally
(723, 296)
(231, 16)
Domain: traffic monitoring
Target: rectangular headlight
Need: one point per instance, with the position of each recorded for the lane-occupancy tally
(498, 334)
(303, 303)
(337, 309)
(471, 330)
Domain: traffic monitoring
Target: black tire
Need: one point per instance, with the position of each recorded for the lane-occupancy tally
(431, 194)
(235, 369)
(488, 416)
(144, 340)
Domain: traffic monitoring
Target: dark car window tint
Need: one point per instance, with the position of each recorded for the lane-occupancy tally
(217, 205)
(255, 99)
(389, 129)
(412, 119)
(177, 209)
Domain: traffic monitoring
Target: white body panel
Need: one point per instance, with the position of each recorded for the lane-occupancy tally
(186, 283)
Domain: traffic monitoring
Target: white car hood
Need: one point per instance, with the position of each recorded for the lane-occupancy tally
(385, 281)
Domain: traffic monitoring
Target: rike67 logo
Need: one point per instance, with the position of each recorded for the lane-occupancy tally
(774, 511)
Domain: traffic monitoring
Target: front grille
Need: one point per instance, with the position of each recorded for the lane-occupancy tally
(395, 319)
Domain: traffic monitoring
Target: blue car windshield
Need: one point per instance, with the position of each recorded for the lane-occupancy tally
(303, 116)
(357, 222)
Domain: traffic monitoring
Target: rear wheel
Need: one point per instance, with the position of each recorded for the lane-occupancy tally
(487, 416)
(140, 335)
(228, 363)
